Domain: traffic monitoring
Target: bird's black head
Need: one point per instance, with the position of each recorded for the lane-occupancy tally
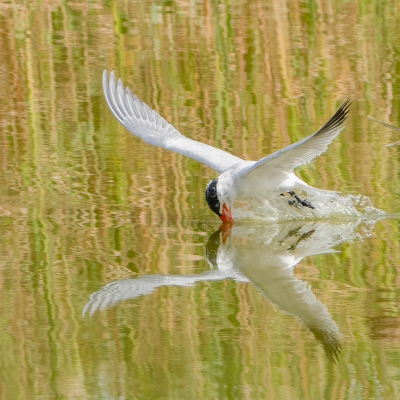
(212, 197)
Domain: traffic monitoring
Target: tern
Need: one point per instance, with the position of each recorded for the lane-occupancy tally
(238, 178)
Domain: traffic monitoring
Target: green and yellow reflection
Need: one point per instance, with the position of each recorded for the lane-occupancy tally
(84, 203)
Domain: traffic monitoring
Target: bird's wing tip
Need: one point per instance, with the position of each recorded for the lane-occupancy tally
(346, 106)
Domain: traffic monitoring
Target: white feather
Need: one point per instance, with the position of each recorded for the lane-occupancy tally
(238, 178)
(145, 123)
(279, 166)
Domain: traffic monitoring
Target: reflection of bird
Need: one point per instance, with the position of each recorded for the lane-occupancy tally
(266, 257)
(268, 262)
(239, 179)
(125, 289)
(387, 126)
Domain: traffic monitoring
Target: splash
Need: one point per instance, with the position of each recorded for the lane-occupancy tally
(327, 205)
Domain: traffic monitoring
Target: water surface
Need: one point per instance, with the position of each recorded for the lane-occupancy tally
(86, 208)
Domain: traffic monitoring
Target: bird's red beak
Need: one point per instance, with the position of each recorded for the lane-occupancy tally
(226, 214)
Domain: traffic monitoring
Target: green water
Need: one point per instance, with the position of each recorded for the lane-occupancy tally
(83, 203)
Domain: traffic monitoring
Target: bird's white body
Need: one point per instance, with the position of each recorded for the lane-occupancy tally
(231, 187)
(238, 178)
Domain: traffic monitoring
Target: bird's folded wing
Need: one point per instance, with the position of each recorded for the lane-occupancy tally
(147, 124)
(303, 151)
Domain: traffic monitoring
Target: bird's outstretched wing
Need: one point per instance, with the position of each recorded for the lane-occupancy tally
(303, 151)
(147, 124)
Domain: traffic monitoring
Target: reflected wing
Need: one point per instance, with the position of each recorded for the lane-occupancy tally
(145, 123)
(125, 289)
(295, 297)
(305, 150)
(267, 256)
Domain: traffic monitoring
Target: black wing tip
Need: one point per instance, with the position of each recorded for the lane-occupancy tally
(338, 119)
(345, 108)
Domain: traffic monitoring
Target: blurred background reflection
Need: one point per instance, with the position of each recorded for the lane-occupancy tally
(83, 203)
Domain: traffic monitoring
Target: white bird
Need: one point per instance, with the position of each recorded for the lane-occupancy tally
(238, 179)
